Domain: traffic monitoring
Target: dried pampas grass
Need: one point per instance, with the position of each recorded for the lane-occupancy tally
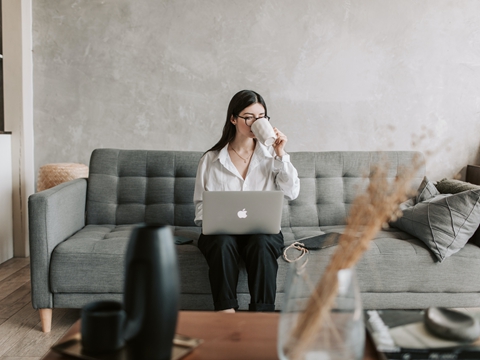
(369, 212)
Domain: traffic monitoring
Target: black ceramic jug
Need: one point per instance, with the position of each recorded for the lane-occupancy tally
(151, 293)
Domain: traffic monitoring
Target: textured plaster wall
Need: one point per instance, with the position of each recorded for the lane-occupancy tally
(336, 75)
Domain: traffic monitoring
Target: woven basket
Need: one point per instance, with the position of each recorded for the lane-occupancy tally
(53, 174)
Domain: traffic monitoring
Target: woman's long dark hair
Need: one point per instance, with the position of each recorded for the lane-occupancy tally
(240, 101)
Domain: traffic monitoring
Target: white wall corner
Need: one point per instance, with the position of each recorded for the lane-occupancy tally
(18, 90)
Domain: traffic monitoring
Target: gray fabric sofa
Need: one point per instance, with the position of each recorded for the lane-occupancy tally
(79, 231)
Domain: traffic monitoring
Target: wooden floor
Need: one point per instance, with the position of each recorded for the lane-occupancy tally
(21, 337)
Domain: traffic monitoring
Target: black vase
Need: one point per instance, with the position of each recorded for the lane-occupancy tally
(151, 293)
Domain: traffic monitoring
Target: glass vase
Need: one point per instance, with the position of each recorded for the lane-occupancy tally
(341, 334)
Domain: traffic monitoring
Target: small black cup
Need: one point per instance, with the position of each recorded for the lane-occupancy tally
(102, 327)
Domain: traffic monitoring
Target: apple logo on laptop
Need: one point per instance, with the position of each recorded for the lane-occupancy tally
(242, 214)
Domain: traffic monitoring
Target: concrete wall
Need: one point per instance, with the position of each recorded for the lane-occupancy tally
(336, 75)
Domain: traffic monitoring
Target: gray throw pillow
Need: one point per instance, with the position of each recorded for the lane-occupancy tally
(426, 190)
(451, 186)
(444, 222)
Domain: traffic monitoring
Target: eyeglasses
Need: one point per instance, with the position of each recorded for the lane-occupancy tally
(249, 120)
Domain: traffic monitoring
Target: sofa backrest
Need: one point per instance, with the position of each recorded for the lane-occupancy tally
(134, 186)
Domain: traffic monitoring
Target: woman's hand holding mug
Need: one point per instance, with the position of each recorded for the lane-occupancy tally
(280, 142)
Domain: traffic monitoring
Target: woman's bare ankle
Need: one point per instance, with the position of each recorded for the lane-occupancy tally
(230, 311)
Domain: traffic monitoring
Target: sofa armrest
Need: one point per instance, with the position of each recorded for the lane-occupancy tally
(54, 215)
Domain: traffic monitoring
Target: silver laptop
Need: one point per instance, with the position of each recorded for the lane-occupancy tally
(242, 212)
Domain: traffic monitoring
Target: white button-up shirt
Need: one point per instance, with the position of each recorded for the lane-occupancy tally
(216, 172)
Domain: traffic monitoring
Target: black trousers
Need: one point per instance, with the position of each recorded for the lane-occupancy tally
(259, 252)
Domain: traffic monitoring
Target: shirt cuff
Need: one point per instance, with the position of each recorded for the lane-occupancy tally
(282, 159)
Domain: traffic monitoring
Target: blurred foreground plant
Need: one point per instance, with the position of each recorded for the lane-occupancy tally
(369, 212)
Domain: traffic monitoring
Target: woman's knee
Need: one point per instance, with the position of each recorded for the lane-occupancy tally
(218, 243)
(266, 242)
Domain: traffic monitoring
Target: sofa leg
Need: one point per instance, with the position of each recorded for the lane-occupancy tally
(46, 319)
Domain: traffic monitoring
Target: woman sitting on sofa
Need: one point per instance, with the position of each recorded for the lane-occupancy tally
(243, 163)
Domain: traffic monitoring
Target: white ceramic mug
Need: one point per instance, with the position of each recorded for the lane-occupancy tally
(264, 132)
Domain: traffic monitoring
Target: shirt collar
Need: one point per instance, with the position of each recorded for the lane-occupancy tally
(260, 150)
(221, 155)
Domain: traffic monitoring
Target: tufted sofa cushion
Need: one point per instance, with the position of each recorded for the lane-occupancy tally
(92, 260)
(136, 186)
(330, 181)
(91, 263)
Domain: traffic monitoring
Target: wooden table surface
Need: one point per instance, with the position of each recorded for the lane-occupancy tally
(243, 335)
